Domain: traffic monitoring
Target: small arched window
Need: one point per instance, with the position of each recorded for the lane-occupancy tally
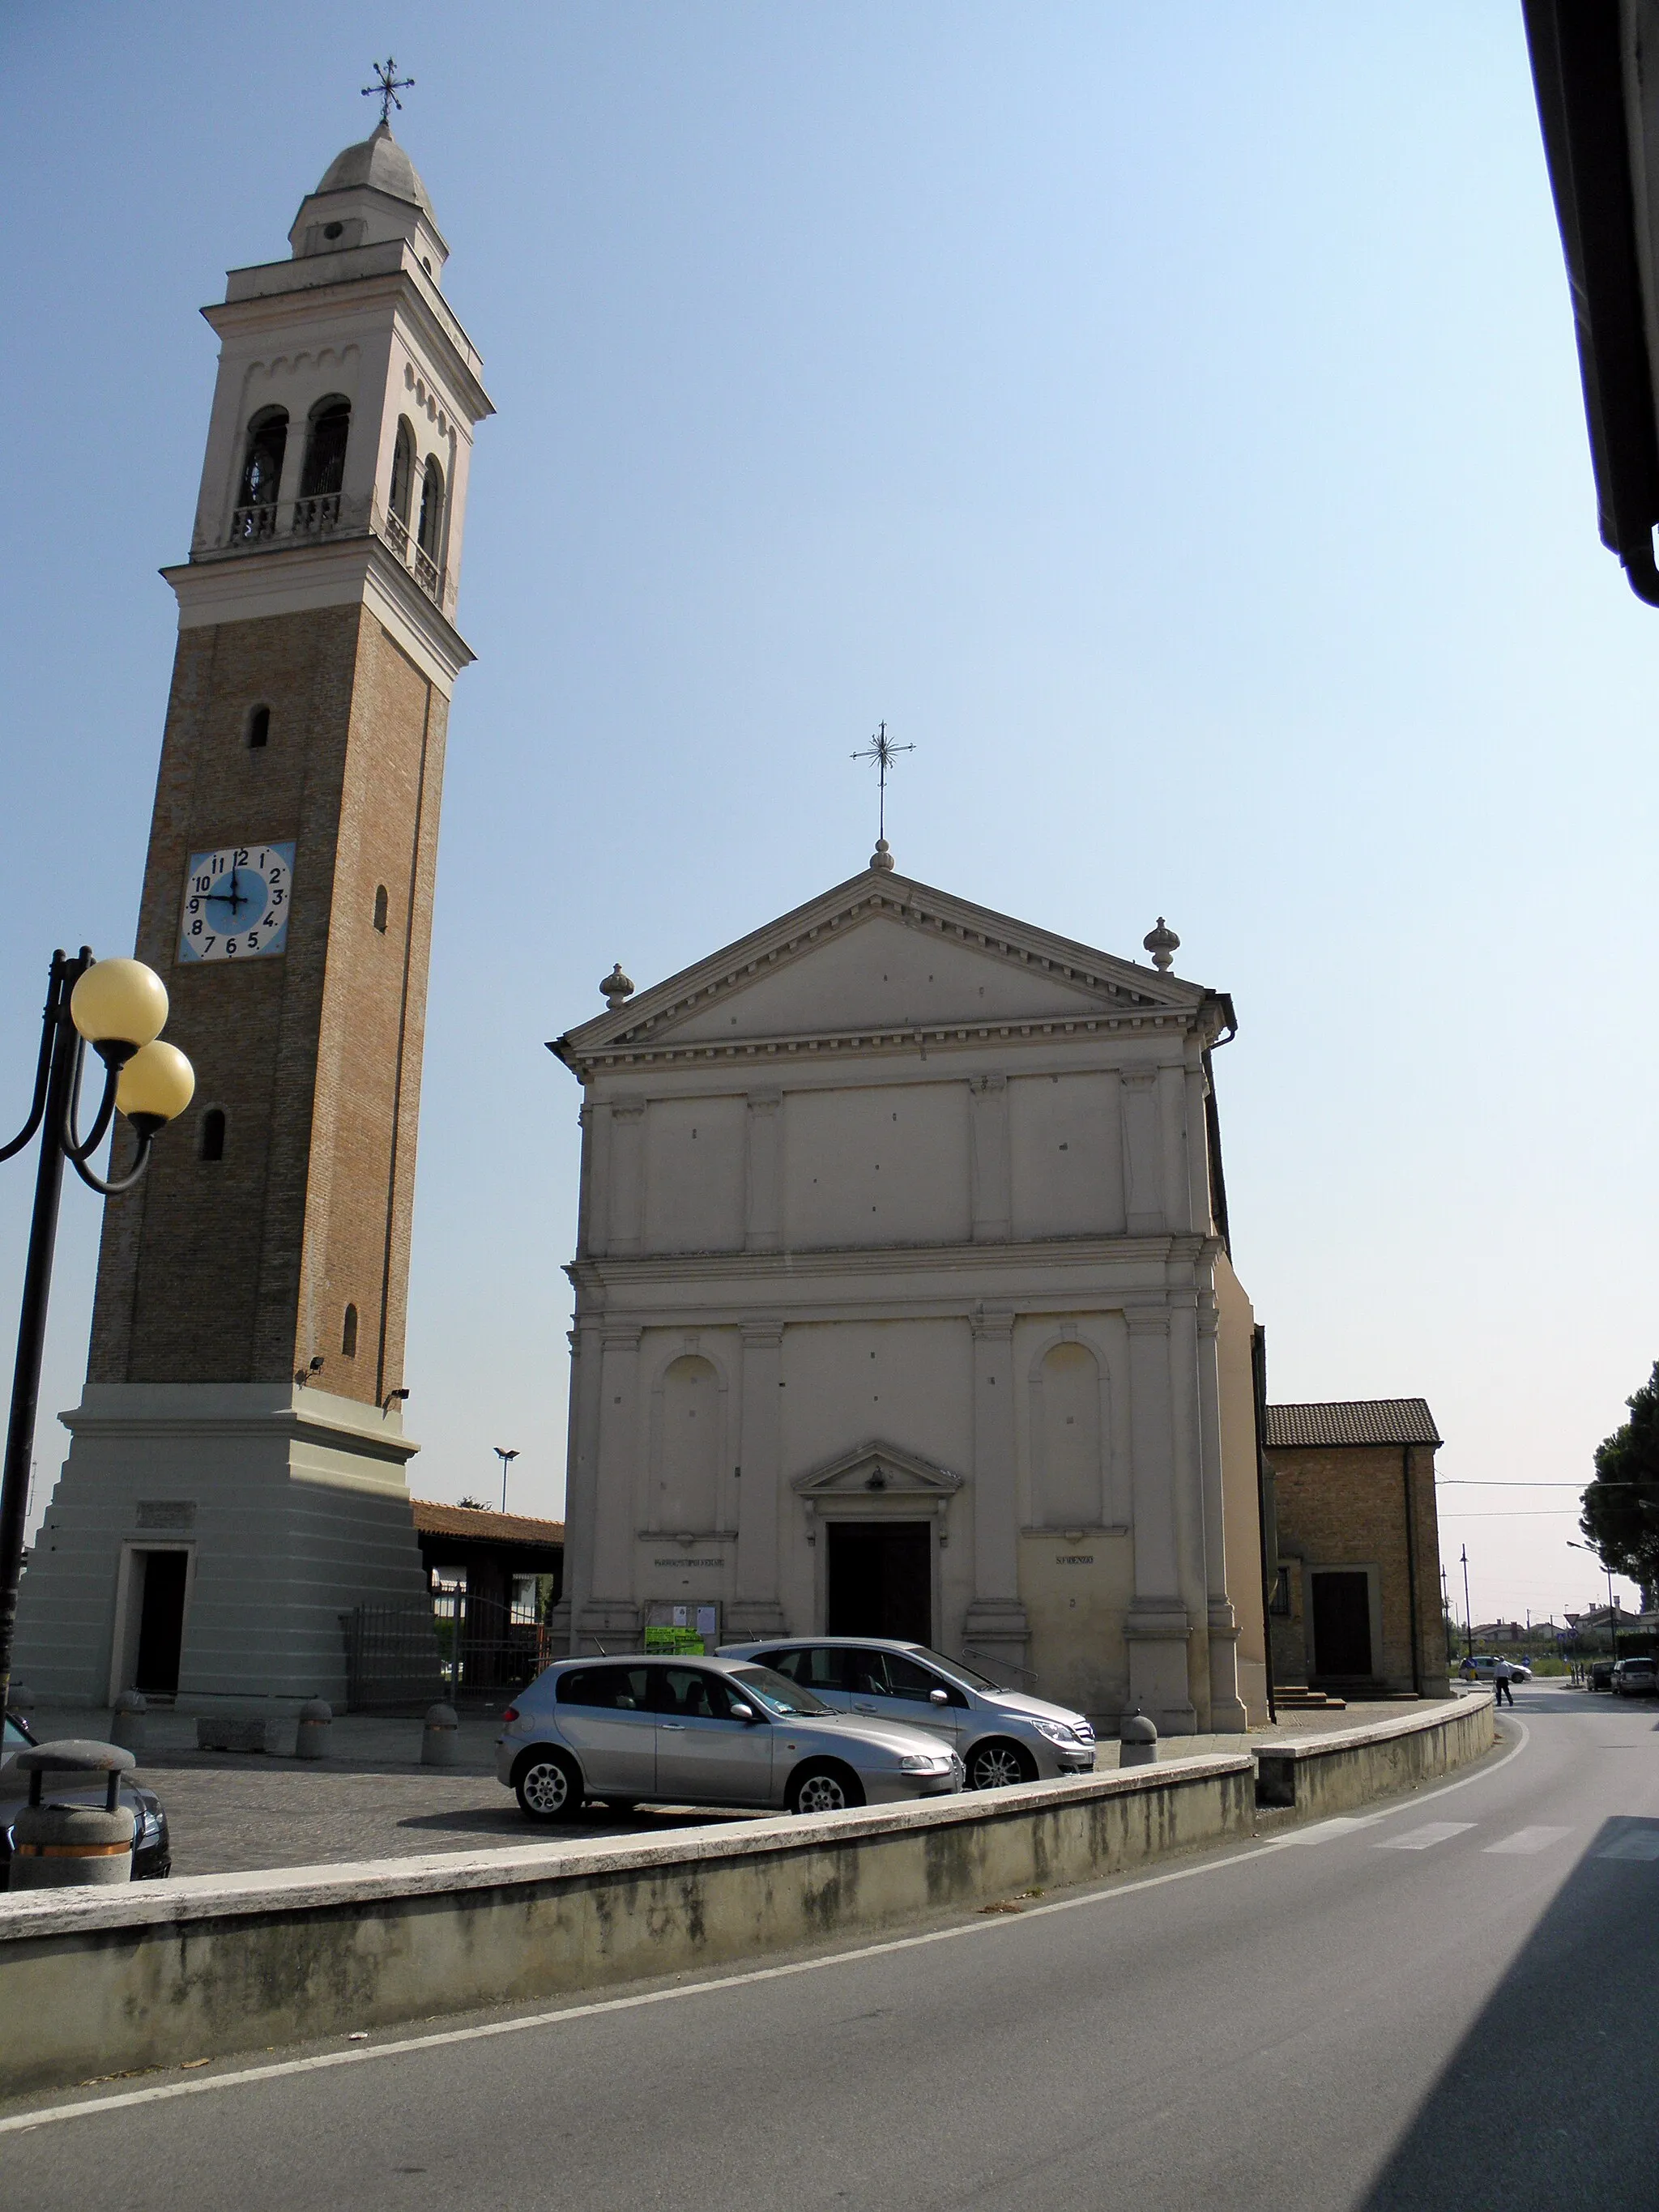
(213, 1133)
(262, 469)
(432, 509)
(402, 472)
(258, 727)
(348, 1333)
(326, 448)
(381, 902)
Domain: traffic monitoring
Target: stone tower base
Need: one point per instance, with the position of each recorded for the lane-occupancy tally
(289, 1506)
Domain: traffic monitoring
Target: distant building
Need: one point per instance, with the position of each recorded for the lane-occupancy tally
(1355, 1607)
(503, 1557)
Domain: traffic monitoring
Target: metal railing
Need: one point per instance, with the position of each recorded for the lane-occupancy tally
(457, 1646)
(330, 514)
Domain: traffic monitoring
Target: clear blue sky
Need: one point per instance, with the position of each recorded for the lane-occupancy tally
(1165, 416)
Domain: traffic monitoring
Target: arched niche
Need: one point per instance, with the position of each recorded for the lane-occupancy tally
(1071, 1436)
(688, 1446)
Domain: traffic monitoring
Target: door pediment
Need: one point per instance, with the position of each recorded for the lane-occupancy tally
(878, 1470)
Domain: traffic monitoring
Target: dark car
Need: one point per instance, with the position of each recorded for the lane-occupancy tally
(1635, 1678)
(1600, 1674)
(152, 1852)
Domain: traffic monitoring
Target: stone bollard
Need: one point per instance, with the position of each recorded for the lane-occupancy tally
(1137, 1739)
(311, 1737)
(126, 1726)
(59, 1846)
(441, 1739)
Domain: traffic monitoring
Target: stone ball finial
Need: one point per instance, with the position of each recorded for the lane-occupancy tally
(1162, 944)
(616, 987)
(881, 857)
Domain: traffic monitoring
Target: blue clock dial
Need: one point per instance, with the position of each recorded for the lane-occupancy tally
(236, 902)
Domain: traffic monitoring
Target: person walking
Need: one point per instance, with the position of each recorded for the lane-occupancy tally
(1500, 1681)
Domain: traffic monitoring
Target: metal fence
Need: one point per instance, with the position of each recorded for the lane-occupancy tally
(465, 1647)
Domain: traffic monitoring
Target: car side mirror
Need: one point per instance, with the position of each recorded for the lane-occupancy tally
(742, 1712)
(939, 1697)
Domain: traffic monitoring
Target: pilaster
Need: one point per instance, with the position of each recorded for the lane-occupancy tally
(763, 1194)
(991, 1207)
(1157, 1625)
(756, 1610)
(996, 1622)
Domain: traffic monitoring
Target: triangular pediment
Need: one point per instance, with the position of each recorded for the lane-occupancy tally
(878, 1470)
(881, 957)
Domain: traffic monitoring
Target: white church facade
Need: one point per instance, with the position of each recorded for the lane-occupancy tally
(903, 1306)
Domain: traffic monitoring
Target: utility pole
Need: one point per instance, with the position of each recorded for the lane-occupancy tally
(1469, 1617)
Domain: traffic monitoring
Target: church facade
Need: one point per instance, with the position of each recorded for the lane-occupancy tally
(903, 1306)
(236, 1477)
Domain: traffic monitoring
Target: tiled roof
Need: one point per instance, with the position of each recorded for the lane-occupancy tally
(482, 1526)
(1352, 1421)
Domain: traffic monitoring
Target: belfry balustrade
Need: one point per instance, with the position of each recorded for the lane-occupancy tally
(264, 527)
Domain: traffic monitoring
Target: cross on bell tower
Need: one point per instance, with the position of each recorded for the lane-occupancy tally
(385, 88)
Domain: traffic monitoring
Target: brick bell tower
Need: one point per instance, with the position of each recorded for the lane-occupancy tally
(236, 1478)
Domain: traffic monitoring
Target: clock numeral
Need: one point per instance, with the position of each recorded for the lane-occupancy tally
(276, 896)
(270, 922)
(209, 946)
(193, 906)
(240, 861)
(231, 948)
(276, 875)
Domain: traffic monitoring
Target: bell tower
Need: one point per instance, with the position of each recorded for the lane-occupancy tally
(235, 1483)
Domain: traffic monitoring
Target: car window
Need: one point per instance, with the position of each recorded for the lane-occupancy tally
(814, 1666)
(865, 1673)
(616, 1689)
(776, 1693)
(907, 1678)
(690, 1692)
(14, 1739)
(959, 1671)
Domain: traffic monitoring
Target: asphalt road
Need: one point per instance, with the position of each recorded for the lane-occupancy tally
(1446, 2003)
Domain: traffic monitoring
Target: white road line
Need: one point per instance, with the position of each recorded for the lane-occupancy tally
(1326, 1832)
(1425, 1837)
(1639, 1843)
(362, 2054)
(1525, 1841)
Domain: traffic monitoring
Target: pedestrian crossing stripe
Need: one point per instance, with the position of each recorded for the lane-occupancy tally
(1424, 1839)
(1525, 1841)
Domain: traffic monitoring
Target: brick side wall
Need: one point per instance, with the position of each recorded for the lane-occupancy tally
(239, 1270)
(1346, 1506)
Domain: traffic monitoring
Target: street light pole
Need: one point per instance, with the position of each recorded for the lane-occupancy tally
(506, 1459)
(120, 1015)
(1469, 1617)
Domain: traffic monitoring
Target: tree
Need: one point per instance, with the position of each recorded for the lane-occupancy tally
(1621, 1506)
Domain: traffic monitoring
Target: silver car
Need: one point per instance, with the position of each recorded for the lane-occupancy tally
(1001, 1735)
(704, 1732)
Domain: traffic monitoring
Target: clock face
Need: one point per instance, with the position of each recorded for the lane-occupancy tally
(236, 902)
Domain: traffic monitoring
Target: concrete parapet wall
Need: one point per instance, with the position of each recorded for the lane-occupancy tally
(1319, 1775)
(99, 1983)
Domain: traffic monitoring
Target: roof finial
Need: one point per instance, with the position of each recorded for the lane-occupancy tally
(385, 88)
(1162, 944)
(882, 749)
(616, 987)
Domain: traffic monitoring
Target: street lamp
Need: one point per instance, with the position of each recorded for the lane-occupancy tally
(506, 1459)
(1468, 1617)
(1612, 1631)
(118, 1008)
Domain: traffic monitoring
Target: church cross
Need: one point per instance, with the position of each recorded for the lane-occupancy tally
(385, 88)
(882, 749)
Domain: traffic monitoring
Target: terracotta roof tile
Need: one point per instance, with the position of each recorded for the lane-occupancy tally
(482, 1526)
(1352, 1421)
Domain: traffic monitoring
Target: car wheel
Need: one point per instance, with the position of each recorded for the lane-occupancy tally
(549, 1785)
(999, 1765)
(824, 1788)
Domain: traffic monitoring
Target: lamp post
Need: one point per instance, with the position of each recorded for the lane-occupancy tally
(118, 1008)
(1469, 1617)
(1613, 1631)
(506, 1459)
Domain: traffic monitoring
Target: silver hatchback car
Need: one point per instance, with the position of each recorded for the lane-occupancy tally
(704, 1732)
(1001, 1735)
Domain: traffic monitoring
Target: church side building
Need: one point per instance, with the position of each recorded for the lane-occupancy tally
(903, 1306)
(235, 1481)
